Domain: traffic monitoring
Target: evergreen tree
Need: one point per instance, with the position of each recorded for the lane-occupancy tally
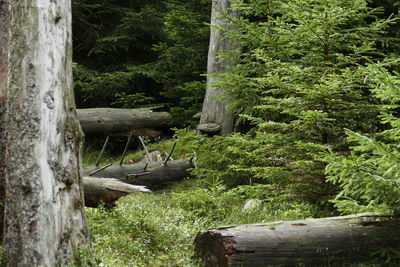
(129, 53)
(299, 83)
(370, 176)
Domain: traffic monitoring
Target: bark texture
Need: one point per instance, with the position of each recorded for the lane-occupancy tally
(107, 191)
(214, 108)
(107, 121)
(4, 29)
(155, 174)
(45, 220)
(334, 241)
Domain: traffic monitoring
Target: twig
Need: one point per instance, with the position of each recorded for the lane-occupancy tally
(170, 154)
(126, 148)
(145, 166)
(137, 174)
(145, 148)
(99, 170)
(102, 150)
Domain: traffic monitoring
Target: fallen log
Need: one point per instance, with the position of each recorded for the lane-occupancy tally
(146, 132)
(334, 241)
(107, 191)
(108, 121)
(150, 174)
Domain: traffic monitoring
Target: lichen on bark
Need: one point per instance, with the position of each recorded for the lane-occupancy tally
(45, 220)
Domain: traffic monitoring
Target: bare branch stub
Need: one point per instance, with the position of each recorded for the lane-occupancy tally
(170, 153)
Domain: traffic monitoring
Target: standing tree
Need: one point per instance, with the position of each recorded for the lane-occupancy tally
(4, 26)
(44, 216)
(215, 117)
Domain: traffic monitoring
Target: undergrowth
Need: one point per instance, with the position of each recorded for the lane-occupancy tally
(158, 229)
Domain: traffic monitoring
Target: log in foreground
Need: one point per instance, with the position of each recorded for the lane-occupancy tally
(108, 121)
(334, 241)
(107, 191)
(150, 174)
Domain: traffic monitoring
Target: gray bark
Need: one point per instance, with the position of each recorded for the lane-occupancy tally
(106, 191)
(107, 121)
(4, 29)
(214, 108)
(334, 241)
(44, 213)
(156, 173)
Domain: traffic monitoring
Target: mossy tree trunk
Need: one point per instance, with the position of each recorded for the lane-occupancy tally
(214, 108)
(44, 212)
(4, 28)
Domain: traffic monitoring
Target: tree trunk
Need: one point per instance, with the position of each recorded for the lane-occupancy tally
(334, 241)
(214, 108)
(155, 174)
(45, 221)
(107, 191)
(4, 29)
(107, 121)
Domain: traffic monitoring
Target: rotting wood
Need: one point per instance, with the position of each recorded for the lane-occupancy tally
(334, 241)
(157, 173)
(107, 121)
(107, 190)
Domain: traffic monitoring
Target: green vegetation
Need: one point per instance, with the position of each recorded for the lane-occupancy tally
(370, 175)
(158, 229)
(316, 94)
(130, 53)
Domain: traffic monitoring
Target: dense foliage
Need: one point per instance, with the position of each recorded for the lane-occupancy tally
(130, 53)
(316, 96)
(300, 82)
(370, 175)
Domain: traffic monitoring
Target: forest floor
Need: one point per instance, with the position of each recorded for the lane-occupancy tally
(158, 229)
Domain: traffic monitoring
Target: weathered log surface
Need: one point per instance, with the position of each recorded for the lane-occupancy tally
(107, 191)
(108, 121)
(4, 36)
(334, 241)
(156, 173)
